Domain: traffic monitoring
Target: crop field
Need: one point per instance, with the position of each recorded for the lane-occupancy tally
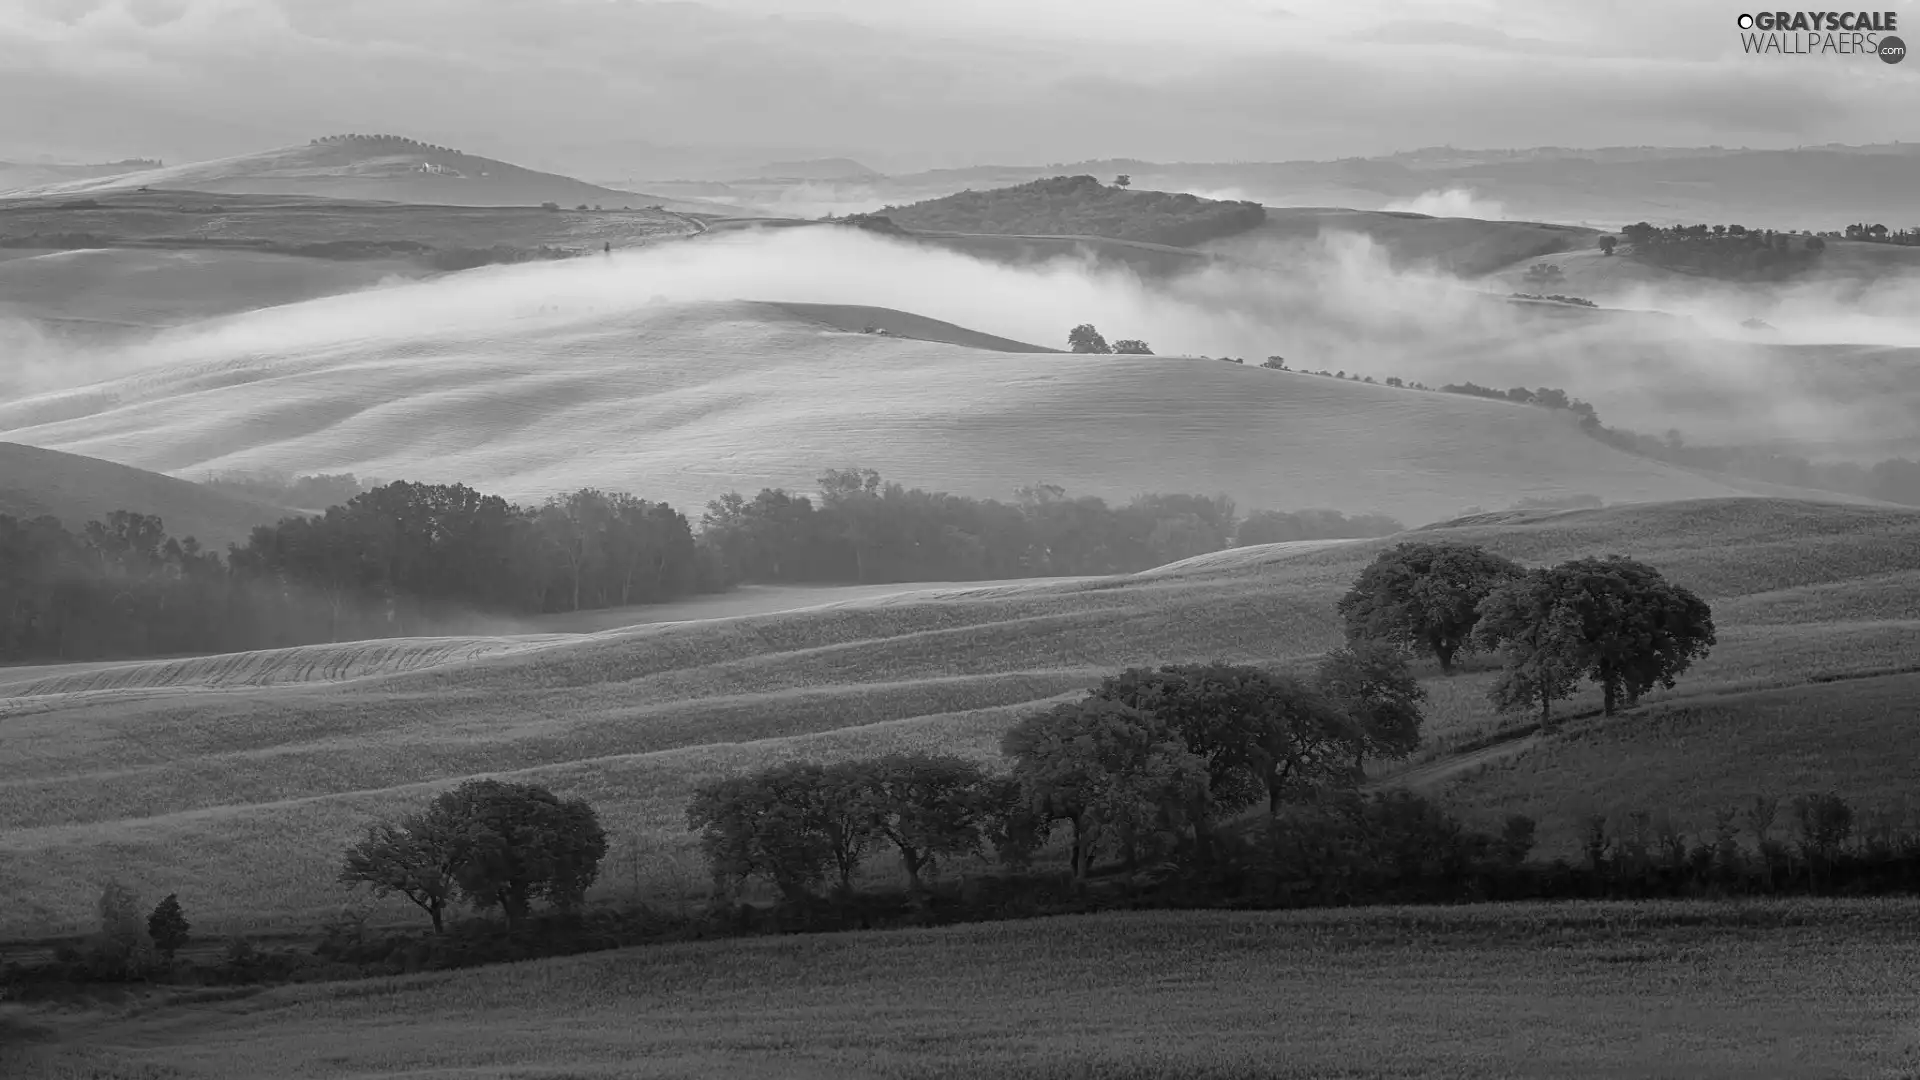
(242, 798)
(527, 381)
(1791, 990)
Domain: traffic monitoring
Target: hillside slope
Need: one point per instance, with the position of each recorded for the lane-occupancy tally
(151, 288)
(78, 489)
(384, 168)
(476, 379)
(1467, 247)
(153, 772)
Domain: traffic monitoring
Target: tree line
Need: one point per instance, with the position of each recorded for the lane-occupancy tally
(402, 558)
(1727, 251)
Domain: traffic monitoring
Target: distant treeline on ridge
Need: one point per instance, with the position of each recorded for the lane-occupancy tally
(407, 558)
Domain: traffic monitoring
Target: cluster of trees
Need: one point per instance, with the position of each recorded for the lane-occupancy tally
(1086, 339)
(1561, 297)
(1878, 234)
(393, 140)
(1726, 251)
(402, 557)
(1083, 206)
(386, 562)
(1615, 621)
(493, 844)
(128, 946)
(1148, 767)
(279, 488)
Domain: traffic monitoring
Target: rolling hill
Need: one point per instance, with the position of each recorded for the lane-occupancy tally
(374, 167)
(76, 489)
(1465, 247)
(98, 294)
(485, 379)
(196, 775)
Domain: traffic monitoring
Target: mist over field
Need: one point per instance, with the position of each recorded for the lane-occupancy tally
(1335, 303)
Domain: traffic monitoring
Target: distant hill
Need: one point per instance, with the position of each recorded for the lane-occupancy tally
(376, 167)
(1082, 206)
(842, 169)
(1467, 247)
(76, 489)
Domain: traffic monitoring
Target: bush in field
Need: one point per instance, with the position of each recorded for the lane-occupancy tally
(498, 844)
(1424, 596)
(1132, 347)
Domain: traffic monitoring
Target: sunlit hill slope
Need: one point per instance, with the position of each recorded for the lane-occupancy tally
(486, 379)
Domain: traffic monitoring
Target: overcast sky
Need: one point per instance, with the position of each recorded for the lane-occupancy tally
(590, 84)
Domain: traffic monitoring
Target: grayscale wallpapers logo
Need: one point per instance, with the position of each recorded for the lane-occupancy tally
(1823, 33)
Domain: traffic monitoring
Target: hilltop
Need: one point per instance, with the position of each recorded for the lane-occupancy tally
(79, 489)
(1081, 206)
(248, 773)
(386, 168)
(528, 382)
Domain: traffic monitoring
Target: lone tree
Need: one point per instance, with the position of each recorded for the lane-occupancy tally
(1132, 347)
(1085, 339)
(1607, 244)
(413, 858)
(1545, 275)
(1424, 596)
(168, 926)
(499, 844)
(1123, 180)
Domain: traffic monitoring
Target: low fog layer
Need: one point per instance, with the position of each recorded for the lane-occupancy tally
(1831, 370)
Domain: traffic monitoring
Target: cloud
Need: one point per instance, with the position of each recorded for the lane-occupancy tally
(1453, 202)
(915, 79)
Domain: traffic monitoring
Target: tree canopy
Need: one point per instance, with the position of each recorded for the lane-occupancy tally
(1424, 596)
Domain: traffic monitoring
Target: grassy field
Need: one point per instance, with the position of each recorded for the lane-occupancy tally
(78, 489)
(526, 381)
(1802, 991)
(1684, 760)
(241, 798)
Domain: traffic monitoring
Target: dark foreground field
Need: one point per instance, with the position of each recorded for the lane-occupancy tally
(1803, 989)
